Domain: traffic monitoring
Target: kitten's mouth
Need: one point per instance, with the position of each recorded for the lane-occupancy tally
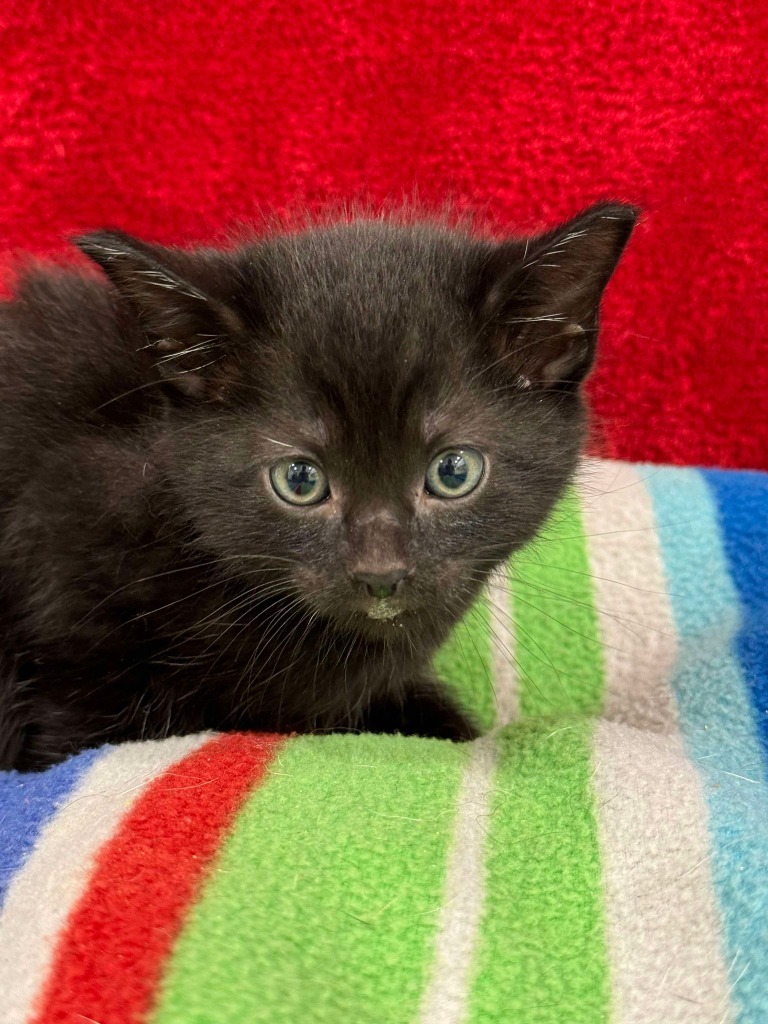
(383, 608)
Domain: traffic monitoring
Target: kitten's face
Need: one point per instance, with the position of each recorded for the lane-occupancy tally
(383, 521)
(386, 413)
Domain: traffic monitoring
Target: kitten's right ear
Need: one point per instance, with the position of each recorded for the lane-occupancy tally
(185, 328)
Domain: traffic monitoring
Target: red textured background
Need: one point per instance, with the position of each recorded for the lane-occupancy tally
(174, 120)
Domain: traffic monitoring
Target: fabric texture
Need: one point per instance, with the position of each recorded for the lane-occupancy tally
(180, 122)
(603, 848)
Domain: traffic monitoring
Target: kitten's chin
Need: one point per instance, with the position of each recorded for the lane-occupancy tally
(389, 620)
(413, 628)
(384, 609)
(392, 631)
(383, 621)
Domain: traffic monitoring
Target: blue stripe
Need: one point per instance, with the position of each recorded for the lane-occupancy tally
(742, 501)
(718, 726)
(27, 803)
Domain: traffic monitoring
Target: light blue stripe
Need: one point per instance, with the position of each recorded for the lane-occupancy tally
(717, 722)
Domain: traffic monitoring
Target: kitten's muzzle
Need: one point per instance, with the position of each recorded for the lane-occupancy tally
(381, 584)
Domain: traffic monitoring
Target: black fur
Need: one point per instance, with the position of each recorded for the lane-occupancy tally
(152, 582)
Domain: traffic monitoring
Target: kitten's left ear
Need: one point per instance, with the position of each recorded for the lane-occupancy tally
(185, 327)
(540, 299)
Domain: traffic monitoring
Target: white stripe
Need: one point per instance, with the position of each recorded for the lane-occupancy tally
(637, 625)
(661, 912)
(663, 926)
(446, 997)
(56, 874)
(502, 640)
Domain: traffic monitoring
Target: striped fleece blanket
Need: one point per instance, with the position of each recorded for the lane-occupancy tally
(600, 855)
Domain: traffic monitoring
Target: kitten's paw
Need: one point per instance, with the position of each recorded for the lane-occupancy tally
(424, 712)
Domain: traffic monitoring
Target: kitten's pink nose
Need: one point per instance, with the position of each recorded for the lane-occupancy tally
(381, 584)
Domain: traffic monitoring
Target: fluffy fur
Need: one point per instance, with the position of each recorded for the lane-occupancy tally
(153, 582)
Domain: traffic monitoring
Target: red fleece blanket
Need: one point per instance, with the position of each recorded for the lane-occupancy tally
(173, 121)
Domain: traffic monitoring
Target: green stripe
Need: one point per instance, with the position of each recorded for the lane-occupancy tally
(464, 663)
(324, 902)
(557, 634)
(541, 957)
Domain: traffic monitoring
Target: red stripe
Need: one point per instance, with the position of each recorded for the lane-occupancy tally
(113, 950)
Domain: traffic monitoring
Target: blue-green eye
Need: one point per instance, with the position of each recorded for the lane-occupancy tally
(455, 473)
(299, 482)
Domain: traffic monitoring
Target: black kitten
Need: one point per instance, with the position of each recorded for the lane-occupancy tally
(256, 489)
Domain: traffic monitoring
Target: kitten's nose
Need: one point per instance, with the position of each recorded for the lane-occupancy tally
(381, 584)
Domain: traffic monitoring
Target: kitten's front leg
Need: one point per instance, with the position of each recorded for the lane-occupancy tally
(425, 708)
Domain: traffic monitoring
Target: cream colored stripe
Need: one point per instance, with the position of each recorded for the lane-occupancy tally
(51, 882)
(636, 621)
(663, 926)
(503, 664)
(446, 997)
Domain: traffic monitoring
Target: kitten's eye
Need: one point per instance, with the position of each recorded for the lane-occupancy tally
(455, 473)
(299, 482)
